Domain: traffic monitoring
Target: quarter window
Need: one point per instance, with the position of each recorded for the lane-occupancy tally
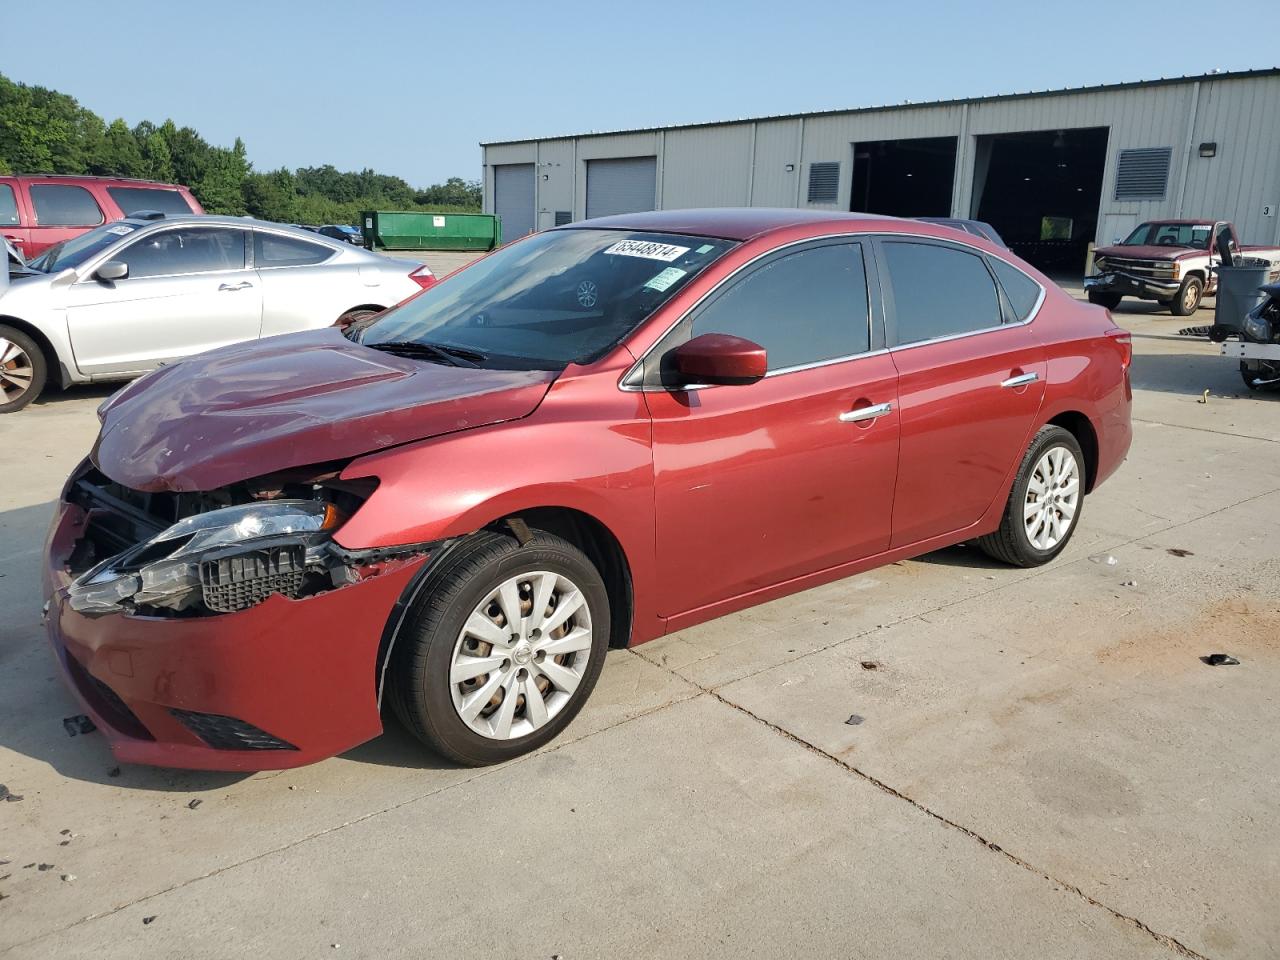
(1022, 291)
(64, 205)
(939, 291)
(133, 200)
(192, 250)
(803, 307)
(275, 250)
(8, 206)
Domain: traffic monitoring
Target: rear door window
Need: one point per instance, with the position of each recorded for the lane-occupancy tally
(804, 307)
(133, 200)
(64, 205)
(182, 251)
(938, 291)
(8, 206)
(1023, 292)
(277, 250)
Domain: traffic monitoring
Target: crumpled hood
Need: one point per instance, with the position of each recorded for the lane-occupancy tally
(265, 405)
(1136, 252)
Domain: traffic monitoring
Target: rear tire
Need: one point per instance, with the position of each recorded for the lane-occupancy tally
(1188, 298)
(1263, 373)
(1108, 300)
(1045, 502)
(444, 634)
(23, 369)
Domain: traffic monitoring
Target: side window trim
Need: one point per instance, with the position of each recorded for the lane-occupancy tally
(1007, 316)
(639, 376)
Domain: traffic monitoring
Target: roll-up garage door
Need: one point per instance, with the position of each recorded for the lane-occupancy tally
(626, 185)
(513, 199)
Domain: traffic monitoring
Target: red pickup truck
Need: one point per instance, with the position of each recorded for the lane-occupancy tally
(1169, 261)
(37, 211)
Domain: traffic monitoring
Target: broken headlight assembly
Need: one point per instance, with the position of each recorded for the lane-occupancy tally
(220, 561)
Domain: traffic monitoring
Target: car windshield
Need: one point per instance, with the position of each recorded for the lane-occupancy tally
(1170, 235)
(558, 297)
(73, 252)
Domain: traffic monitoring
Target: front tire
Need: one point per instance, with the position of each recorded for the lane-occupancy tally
(1108, 300)
(1045, 502)
(502, 647)
(23, 369)
(1188, 298)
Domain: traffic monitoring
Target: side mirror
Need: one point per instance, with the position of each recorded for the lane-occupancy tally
(112, 270)
(721, 359)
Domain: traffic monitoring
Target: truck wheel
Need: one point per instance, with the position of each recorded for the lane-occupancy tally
(501, 648)
(1108, 300)
(1188, 297)
(23, 370)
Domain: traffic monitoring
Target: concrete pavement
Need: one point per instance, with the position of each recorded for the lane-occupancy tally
(1043, 767)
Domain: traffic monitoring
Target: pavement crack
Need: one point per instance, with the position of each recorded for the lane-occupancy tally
(1164, 939)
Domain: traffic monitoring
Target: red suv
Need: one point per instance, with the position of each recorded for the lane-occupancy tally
(37, 211)
(593, 436)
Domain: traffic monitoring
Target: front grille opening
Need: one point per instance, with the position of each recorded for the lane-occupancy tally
(240, 581)
(106, 702)
(228, 733)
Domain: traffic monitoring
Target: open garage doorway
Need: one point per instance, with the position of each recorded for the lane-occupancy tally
(1042, 191)
(904, 178)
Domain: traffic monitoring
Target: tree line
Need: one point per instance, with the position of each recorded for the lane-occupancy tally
(44, 131)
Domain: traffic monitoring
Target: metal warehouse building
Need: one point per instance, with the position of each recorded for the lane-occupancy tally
(1051, 171)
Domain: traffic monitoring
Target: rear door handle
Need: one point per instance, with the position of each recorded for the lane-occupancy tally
(1020, 381)
(866, 413)
(232, 287)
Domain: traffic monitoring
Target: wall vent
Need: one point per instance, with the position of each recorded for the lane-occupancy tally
(563, 217)
(824, 182)
(1143, 174)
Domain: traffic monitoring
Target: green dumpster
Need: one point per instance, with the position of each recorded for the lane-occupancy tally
(401, 230)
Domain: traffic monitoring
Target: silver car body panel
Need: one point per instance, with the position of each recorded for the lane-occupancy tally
(119, 330)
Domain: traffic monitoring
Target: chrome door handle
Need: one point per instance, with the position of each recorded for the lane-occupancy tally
(231, 287)
(1020, 381)
(865, 413)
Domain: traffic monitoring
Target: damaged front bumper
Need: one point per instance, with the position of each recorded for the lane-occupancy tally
(1131, 285)
(279, 683)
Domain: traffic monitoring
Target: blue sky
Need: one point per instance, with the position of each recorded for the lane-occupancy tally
(411, 88)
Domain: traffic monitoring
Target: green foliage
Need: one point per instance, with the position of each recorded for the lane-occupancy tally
(43, 131)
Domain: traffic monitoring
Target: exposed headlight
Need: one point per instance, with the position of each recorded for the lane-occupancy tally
(227, 559)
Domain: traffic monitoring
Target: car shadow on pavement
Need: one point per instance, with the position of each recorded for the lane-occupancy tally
(1190, 374)
(54, 395)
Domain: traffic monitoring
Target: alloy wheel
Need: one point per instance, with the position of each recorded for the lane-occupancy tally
(521, 654)
(16, 371)
(1053, 496)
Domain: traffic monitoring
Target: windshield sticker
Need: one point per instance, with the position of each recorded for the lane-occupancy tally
(665, 279)
(120, 230)
(647, 249)
(705, 248)
(588, 295)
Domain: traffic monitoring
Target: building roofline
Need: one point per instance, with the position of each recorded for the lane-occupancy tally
(1100, 88)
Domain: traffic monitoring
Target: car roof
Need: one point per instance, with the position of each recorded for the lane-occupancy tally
(93, 178)
(726, 223)
(221, 220)
(1184, 222)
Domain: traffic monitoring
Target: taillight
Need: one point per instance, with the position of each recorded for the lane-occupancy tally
(423, 277)
(1124, 340)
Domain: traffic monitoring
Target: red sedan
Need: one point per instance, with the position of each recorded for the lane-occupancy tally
(590, 438)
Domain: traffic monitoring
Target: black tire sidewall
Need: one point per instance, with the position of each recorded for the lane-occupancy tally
(39, 368)
(429, 696)
(1047, 438)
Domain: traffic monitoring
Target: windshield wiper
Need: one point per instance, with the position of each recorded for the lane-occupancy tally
(453, 356)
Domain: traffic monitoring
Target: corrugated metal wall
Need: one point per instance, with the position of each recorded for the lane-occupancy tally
(745, 162)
